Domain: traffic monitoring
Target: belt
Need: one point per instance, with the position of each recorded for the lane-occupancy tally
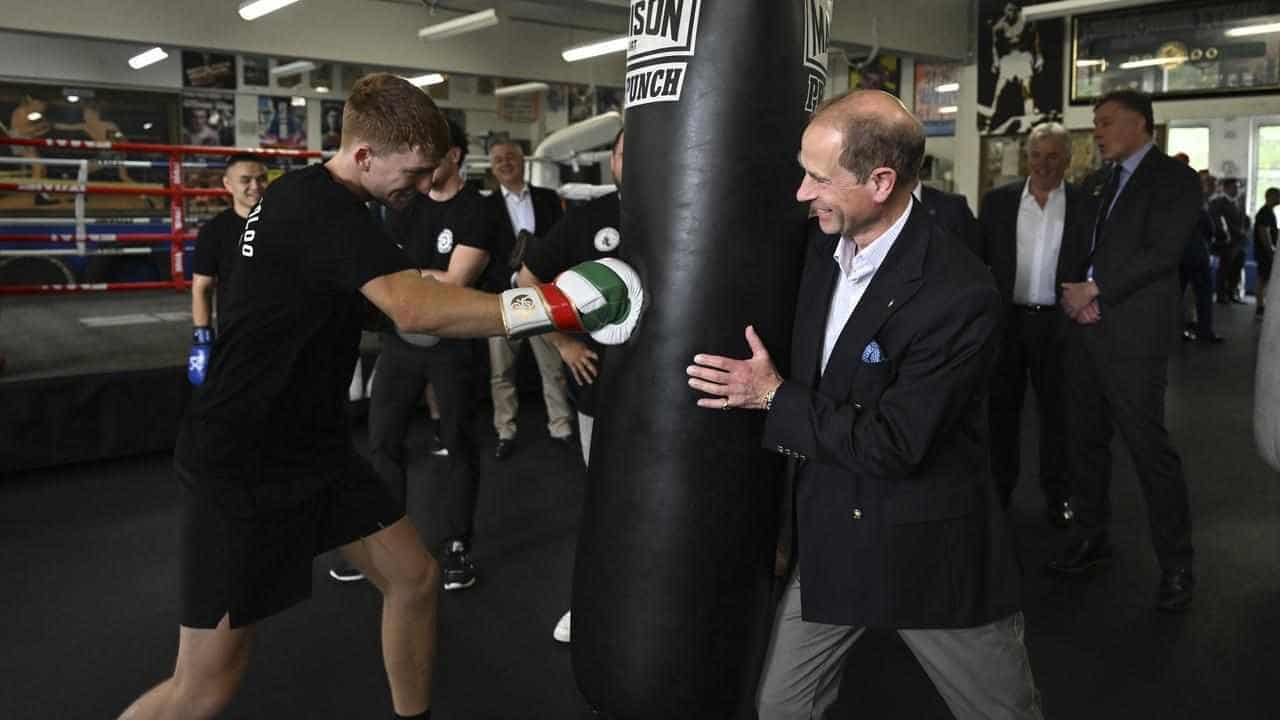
(1036, 308)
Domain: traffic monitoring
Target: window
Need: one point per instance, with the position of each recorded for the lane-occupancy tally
(1266, 172)
(1194, 141)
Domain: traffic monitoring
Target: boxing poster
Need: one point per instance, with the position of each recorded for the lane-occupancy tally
(330, 124)
(208, 70)
(937, 89)
(208, 120)
(280, 123)
(1019, 68)
(879, 72)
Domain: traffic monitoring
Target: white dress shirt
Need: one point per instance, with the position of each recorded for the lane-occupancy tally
(520, 208)
(1039, 241)
(856, 271)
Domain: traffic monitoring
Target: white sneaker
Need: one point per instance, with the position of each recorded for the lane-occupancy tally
(561, 633)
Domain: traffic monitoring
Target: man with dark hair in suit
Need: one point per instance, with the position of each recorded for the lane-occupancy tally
(524, 213)
(1023, 224)
(1121, 294)
(885, 421)
(951, 212)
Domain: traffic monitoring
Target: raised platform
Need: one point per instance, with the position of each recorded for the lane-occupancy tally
(94, 376)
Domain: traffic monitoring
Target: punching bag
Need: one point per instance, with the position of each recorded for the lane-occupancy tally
(672, 592)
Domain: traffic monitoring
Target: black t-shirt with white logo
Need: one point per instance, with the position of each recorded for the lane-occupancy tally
(429, 230)
(268, 428)
(587, 232)
(217, 247)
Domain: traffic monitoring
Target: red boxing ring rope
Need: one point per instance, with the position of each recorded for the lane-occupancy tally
(175, 191)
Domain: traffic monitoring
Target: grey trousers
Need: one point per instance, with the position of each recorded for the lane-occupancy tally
(502, 382)
(982, 673)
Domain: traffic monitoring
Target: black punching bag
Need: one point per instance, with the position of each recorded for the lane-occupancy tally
(672, 581)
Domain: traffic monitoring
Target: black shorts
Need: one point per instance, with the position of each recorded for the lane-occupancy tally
(255, 567)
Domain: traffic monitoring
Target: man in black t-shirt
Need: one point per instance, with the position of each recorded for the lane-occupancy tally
(448, 234)
(217, 247)
(270, 473)
(1264, 243)
(589, 232)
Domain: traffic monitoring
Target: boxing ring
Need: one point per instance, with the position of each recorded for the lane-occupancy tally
(95, 325)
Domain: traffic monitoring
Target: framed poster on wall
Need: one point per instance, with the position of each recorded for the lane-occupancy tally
(1179, 50)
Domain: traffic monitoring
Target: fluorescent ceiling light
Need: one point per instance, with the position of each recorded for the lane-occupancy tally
(948, 110)
(948, 88)
(1254, 30)
(147, 125)
(150, 57)
(294, 68)
(73, 98)
(298, 101)
(34, 116)
(1090, 63)
(1151, 62)
(426, 80)
(529, 87)
(595, 49)
(322, 89)
(459, 25)
(254, 9)
(1063, 8)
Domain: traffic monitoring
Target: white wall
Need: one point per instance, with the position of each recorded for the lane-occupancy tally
(355, 31)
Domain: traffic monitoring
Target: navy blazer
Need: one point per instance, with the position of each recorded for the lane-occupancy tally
(547, 211)
(897, 522)
(1135, 263)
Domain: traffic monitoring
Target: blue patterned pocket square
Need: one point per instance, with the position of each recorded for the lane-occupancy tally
(871, 354)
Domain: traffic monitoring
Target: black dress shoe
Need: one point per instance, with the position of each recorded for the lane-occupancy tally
(1189, 335)
(1214, 339)
(1060, 513)
(1082, 556)
(503, 449)
(1176, 585)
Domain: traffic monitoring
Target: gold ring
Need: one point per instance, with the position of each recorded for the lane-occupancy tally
(725, 406)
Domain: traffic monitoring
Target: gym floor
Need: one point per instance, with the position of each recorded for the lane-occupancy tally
(88, 619)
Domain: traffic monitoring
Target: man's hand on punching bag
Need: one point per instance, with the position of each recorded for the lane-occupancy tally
(601, 297)
(748, 384)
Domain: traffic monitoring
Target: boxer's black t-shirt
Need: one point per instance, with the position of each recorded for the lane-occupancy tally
(269, 427)
(217, 247)
(587, 232)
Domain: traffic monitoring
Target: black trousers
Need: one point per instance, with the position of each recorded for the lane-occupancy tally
(1031, 351)
(400, 377)
(1196, 271)
(1103, 390)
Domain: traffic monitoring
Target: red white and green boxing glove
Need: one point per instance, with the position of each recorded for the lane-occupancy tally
(601, 297)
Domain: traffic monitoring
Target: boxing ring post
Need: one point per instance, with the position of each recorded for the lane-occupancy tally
(175, 192)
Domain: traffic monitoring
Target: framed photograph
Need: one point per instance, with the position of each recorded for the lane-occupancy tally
(1177, 50)
(208, 70)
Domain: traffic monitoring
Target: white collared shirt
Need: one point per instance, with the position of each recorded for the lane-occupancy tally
(1039, 232)
(520, 208)
(856, 272)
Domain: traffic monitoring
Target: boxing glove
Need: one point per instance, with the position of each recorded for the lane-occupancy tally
(601, 297)
(201, 350)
